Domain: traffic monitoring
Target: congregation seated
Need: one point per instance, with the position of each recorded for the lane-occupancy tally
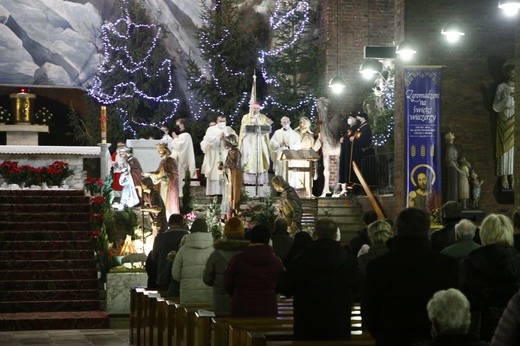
(190, 261)
(399, 283)
(281, 240)
(450, 316)
(465, 232)
(451, 215)
(251, 277)
(321, 279)
(379, 233)
(490, 275)
(232, 243)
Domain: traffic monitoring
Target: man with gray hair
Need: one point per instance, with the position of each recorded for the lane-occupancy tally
(450, 315)
(465, 231)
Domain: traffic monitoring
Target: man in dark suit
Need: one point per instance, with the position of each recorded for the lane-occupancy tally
(322, 280)
(399, 284)
(170, 240)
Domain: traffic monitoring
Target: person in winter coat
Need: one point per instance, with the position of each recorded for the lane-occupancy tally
(508, 328)
(379, 232)
(361, 238)
(490, 275)
(251, 276)
(232, 243)
(165, 242)
(302, 239)
(281, 240)
(189, 264)
(321, 280)
(399, 283)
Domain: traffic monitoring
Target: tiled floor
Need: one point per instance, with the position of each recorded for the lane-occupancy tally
(106, 337)
(117, 335)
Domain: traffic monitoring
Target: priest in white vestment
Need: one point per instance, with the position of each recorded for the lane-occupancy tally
(283, 139)
(254, 150)
(215, 154)
(183, 153)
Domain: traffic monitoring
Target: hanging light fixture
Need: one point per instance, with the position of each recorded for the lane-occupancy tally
(453, 31)
(369, 68)
(405, 50)
(510, 7)
(337, 84)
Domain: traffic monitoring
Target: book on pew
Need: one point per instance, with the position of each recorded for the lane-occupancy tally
(205, 313)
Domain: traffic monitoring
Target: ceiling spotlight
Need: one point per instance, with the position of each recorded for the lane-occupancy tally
(405, 50)
(510, 7)
(337, 85)
(453, 31)
(369, 68)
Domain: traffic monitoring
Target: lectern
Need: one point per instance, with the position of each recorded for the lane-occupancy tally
(307, 155)
(259, 130)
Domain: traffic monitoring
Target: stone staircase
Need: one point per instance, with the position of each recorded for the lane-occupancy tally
(48, 277)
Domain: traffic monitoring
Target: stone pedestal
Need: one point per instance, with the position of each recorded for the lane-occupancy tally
(118, 290)
(23, 134)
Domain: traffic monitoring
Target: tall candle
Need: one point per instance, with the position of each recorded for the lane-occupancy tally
(103, 124)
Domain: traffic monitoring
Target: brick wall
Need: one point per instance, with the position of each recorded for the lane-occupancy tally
(470, 74)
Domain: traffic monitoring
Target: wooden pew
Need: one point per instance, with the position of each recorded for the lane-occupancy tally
(220, 326)
(322, 343)
(184, 335)
(238, 331)
(263, 338)
(135, 312)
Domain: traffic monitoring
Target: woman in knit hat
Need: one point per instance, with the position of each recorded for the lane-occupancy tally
(232, 243)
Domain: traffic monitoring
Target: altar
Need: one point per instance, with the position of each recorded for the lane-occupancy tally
(145, 151)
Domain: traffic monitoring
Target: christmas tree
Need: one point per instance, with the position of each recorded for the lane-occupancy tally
(135, 77)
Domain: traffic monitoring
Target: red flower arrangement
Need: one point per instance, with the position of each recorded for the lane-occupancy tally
(54, 174)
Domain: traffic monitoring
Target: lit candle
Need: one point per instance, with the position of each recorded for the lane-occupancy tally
(103, 124)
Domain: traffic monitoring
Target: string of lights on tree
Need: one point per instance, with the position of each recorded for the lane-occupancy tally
(387, 92)
(115, 37)
(279, 17)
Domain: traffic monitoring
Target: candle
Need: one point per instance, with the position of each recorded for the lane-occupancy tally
(103, 124)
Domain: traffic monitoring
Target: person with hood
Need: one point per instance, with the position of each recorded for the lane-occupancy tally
(251, 277)
(324, 266)
(444, 237)
(232, 243)
(281, 240)
(490, 275)
(290, 203)
(189, 263)
(302, 239)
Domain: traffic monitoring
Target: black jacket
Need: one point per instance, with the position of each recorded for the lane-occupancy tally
(489, 278)
(321, 280)
(163, 244)
(399, 284)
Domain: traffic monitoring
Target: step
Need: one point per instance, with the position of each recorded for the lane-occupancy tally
(54, 274)
(44, 217)
(45, 235)
(45, 208)
(41, 225)
(54, 320)
(55, 305)
(35, 255)
(42, 193)
(47, 264)
(49, 295)
(51, 245)
(57, 284)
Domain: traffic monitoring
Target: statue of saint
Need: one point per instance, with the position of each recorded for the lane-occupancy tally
(504, 105)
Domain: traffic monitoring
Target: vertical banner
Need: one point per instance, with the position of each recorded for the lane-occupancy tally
(423, 155)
